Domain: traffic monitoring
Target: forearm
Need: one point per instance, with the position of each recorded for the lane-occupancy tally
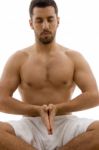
(13, 106)
(81, 102)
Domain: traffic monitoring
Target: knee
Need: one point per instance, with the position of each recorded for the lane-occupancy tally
(95, 139)
(6, 127)
(94, 126)
(94, 134)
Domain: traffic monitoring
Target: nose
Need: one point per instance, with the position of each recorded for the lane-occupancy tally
(45, 25)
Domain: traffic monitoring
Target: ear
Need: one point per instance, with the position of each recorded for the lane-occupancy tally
(58, 20)
(31, 23)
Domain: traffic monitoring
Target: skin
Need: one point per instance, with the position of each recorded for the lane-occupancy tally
(46, 74)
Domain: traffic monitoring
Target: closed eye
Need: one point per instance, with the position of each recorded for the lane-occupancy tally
(51, 19)
(39, 20)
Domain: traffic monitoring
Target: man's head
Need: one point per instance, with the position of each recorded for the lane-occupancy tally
(42, 4)
(44, 20)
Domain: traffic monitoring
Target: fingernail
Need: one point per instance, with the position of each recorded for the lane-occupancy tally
(50, 132)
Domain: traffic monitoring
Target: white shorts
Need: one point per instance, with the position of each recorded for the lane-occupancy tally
(66, 127)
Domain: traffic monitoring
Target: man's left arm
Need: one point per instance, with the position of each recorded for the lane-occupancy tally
(84, 79)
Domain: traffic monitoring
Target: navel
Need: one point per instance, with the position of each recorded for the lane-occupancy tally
(64, 82)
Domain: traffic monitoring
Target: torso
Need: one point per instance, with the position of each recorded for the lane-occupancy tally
(46, 78)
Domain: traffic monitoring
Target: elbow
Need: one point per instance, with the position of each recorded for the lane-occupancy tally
(2, 103)
(95, 98)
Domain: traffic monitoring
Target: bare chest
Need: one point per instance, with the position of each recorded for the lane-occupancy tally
(40, 71)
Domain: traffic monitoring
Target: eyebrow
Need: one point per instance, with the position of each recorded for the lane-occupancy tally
(49, 17)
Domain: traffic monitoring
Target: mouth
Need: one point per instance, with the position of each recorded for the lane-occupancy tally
(45, 33)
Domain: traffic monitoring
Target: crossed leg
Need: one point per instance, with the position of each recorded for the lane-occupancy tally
(85, 141)
(9, 141)
(88, 140)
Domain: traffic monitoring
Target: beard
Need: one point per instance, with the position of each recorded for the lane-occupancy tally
(46, 37)
(46, 40)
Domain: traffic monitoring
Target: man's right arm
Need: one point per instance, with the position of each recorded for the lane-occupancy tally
(9, 82)
(13, 106)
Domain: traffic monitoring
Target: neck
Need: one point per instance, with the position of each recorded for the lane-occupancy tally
(46, 48)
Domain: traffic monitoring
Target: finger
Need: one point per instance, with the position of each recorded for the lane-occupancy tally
(47, 123)
(45, 107)
(52, 114)
(45, 117)
(51, 106)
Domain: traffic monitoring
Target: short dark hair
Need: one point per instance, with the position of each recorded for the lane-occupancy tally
(42, 3)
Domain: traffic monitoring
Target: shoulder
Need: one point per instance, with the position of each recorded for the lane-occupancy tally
(74, 55)
(19, 56)
(69, 52)
(17, 59)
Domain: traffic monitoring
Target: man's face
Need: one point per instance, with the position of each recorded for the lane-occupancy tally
(44, 22)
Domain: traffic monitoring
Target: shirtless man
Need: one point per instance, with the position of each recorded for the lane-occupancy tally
(46, 74)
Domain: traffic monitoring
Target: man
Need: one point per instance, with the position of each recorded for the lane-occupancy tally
(46, 74)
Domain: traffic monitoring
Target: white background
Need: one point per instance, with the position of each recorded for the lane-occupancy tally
(78, 30)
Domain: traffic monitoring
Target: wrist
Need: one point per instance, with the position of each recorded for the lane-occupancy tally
(61, 109)
(37, 110)
(34, 111)
(58, 109)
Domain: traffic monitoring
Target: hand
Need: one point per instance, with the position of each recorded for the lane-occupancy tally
(44, 113)
(51, 114)
(48, 114)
